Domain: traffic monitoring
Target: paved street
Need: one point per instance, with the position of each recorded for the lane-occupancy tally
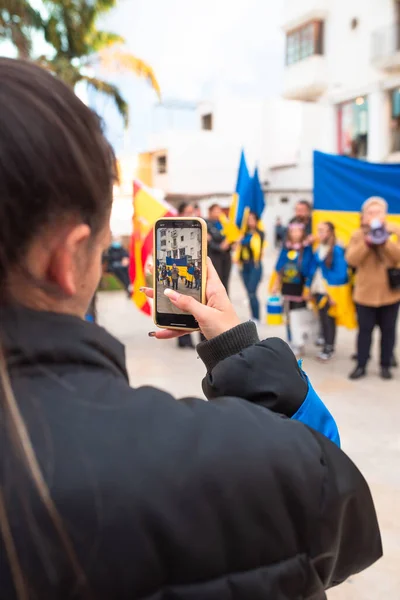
(367, 412)
(164, 305)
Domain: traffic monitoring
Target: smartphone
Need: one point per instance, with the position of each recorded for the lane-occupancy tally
(180, 253)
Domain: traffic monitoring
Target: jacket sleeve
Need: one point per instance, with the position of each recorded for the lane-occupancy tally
(357, 250)
(392, 250)
(339, 269)
(342, 530)
(281, 260)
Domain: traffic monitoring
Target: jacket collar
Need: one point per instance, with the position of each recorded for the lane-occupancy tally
(41, 339)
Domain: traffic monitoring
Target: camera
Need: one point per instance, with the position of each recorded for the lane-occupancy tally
(378, 233)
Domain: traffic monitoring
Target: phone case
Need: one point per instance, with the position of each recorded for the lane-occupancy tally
(203, 265)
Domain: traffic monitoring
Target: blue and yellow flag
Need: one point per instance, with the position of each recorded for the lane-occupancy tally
(243, 191)
(257, 203)
(341, 186)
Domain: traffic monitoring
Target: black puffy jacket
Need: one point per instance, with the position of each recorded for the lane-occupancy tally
(167, 500)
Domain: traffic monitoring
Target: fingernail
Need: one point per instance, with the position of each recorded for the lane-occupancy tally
(152, 334)
(171, 294)
(142, 289)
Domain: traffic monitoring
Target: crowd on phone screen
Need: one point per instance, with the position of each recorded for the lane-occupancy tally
(310, 271)
(189, 277)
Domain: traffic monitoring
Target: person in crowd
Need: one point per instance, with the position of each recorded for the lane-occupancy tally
(303, 214)
(175, 277)
(190, 276)
(197, 277)
(164, 276)
(112, 492)
(250, 252)
(196, 211)
(354, 356)
(291, 270)
(116, 259)
(219, 249)
(185, 210)
(328, 282)
(375, 255)
(279, 233)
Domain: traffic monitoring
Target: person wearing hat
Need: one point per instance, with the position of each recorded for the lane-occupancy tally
(374, 251)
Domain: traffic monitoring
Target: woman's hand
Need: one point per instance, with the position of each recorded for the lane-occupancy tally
(214, 318)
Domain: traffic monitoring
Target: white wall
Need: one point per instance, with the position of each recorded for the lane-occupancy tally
(348, 52)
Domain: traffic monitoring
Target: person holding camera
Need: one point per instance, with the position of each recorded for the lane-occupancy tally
(374, 251)
(110, 492)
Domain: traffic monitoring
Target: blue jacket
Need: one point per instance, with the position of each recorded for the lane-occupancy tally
(337, 274)
(314, 413)
(300, 261)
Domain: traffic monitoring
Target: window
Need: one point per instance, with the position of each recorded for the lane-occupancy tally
(207, 122)
(169, 253)
(163, 232)
(304, 42)
(192, 235)
(182, 238)
(395, 100)
(353, 128)
(284, 200)
(181, 252)
(192, 251)
(163, 242)
(161, 164)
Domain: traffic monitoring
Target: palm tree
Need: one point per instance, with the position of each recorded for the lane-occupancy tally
(69, 26)
(17, 21)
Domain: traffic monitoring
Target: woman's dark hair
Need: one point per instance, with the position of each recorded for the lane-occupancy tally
(55, 163)
(55, 166)
(255, 216)
(332, 231)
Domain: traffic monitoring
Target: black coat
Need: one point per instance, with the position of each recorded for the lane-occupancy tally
(167, 500)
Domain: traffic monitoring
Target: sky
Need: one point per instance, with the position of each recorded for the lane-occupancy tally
(196, 48)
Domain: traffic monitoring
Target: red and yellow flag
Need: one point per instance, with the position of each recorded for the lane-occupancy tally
(146, 210)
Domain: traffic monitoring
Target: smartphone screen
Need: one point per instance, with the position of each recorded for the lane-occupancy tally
(180, 259)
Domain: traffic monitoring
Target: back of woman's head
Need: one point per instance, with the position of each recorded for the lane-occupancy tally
(55, 164)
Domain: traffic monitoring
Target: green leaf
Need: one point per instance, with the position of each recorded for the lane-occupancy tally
(112, 91)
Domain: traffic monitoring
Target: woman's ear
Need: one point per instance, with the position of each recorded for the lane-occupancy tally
(67, 260)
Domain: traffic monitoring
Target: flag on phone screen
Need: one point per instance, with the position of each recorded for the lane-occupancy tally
(147, 208)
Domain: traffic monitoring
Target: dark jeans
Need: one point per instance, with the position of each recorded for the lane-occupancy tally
(222, 262)
(251, 274)
(121, 273)
(328, 327)
(370, 316)
(175, 284)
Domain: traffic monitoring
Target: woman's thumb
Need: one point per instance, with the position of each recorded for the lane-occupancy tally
(186, 303)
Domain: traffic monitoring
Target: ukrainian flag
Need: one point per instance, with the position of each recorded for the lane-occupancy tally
(342, 184)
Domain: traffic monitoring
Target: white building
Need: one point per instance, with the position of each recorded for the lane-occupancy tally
(342, 65)
(201, 164)
(179, 243)
(344, 55)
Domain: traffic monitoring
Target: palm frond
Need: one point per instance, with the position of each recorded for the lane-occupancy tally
(99, 40)
(113, 92)
(17, 20)
(115, 60)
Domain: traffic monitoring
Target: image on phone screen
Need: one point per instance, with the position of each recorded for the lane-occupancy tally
(178, 263)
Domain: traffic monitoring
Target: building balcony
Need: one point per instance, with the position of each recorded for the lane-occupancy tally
(305, 80)
(386, 48)
(298, 12)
